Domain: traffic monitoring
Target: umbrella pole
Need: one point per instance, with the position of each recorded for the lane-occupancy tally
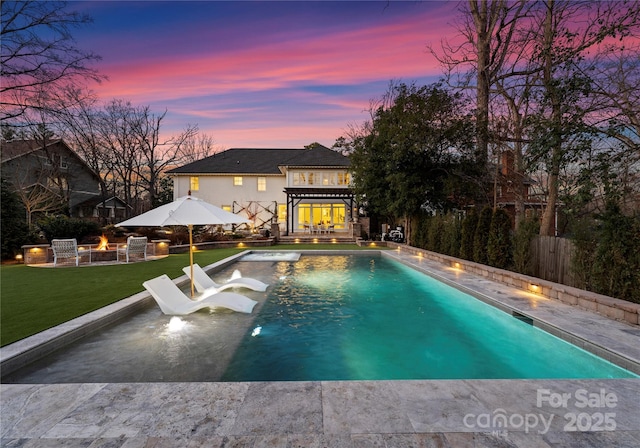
(191, 256)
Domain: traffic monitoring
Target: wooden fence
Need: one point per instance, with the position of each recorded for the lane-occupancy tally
(551, 259)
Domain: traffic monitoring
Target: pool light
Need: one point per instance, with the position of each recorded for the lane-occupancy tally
(176, 324)
(256, 331)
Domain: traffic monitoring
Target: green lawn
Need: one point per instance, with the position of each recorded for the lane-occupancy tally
(33, 299)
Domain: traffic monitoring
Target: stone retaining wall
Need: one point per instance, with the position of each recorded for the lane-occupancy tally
(608, 306)
(244, 243)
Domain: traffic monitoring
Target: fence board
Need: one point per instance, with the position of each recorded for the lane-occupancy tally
(551, 259)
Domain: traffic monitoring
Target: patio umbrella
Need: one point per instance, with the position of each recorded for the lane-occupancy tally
(185, 211)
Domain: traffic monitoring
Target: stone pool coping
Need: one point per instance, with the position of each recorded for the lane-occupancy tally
(336, 413)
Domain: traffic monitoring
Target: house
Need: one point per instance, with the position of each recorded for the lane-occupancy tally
(511, 187)
(298, 188)
(48, 177)
(111, 211)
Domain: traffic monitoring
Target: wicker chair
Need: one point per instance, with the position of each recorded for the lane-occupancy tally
(67, 249)
(136, 246)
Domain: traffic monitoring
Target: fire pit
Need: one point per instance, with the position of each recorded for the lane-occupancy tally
(103, 252)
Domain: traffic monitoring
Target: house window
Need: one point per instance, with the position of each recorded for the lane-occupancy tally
(297, 179)
(194, 183)
(262, 184)
(226, 208)
(282, 212)
(343, 179)
(237, 181)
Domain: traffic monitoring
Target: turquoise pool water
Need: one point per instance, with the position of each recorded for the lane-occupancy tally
(363, 317)
(360, 318)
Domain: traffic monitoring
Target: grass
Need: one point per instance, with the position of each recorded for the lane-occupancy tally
(34, 299)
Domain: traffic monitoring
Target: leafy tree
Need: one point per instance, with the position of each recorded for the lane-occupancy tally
(499, 246)
(481, 236)
(15, 231)
(415, 142)
(165, 192)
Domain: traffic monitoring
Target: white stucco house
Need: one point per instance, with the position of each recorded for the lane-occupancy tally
(298, 188)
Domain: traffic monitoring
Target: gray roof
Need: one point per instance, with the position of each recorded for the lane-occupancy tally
(264, 161)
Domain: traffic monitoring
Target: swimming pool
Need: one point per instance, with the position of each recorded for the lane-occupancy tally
(339, 317)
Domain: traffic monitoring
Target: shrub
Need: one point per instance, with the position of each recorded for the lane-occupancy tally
(436, 229)
(61, 226)
(452, 235)
(585, 242)
(499, 240)
(522, 238)
(481, 236)
(616, 267)
(420, 234)
(467, 234)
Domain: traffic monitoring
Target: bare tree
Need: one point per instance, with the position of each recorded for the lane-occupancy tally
(117, 135)
(569, 31)
(614, 113)
(155, 155)
(36, 187)
(196, 146)
(487, 30)
(38, 54)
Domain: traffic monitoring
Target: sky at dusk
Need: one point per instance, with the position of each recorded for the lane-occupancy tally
(262, 74)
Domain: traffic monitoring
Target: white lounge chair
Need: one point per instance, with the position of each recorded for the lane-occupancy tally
(173, 301)
(204, 283)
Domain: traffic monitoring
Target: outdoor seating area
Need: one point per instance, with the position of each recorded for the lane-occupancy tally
(68, 252)
(319, 229)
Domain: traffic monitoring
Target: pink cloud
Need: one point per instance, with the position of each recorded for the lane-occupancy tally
(242, 94)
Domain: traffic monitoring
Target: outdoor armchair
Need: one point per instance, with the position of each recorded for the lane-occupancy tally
(136, 246)
(67, 249)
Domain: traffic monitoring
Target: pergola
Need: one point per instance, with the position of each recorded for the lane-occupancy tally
(296, 195)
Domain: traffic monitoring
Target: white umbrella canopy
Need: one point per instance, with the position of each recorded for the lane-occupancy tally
(185, 211)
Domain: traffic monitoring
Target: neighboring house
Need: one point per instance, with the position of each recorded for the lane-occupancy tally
(510, 186)
(48, 177)
(111, 211)
(295, 187)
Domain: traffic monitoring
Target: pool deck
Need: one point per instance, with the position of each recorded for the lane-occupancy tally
(417, 413)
